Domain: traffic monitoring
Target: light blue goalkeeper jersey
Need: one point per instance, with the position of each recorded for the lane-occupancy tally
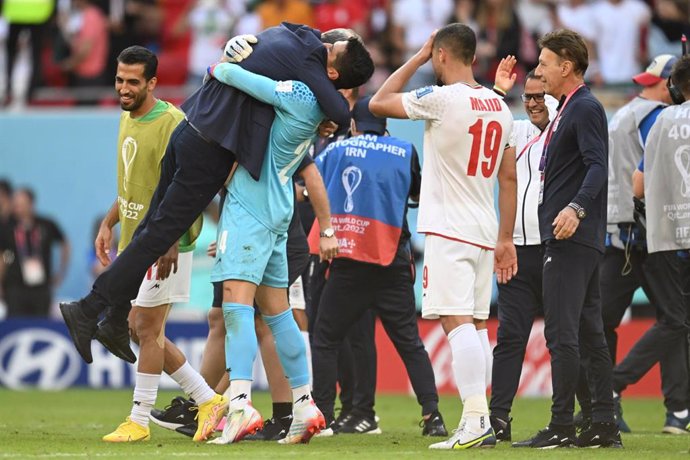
(270, 199)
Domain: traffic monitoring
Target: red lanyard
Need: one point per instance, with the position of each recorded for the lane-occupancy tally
(21, 243)
(553, 125)
(529, 144)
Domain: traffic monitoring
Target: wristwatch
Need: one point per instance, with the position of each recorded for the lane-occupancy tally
(579, 210)
(328, 233)
(305, 194)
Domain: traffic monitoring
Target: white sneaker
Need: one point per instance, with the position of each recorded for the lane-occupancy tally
(307, 421)
(328, 432)
(240, 423)
(465, 438)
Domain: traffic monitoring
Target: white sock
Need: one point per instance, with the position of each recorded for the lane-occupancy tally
(469, 368)
(488, 353)
(240, 394)
(145, 393)
(305, 336)
(193, 383)
(301, 396)
(681, 414)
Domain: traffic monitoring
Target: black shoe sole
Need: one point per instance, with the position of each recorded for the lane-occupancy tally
(112, 346)
(71, 321)
(436, 433)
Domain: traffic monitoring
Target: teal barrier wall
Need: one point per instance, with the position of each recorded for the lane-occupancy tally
(69, 159)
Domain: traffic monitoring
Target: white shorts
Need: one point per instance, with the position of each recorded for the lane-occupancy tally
(457, 279)
(296, 295)
(174, 289)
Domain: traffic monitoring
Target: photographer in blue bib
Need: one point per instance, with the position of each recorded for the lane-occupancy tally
(369, 178)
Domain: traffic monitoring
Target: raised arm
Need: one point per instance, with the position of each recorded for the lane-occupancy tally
(257, 86)
(387, 102)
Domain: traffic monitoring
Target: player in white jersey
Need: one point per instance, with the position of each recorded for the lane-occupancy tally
(466, 133)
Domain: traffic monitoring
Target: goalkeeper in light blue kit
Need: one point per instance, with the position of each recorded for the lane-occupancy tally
(251, 258)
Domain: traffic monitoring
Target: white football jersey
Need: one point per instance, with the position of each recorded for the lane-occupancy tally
(467, 129)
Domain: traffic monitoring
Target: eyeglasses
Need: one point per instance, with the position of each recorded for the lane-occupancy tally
(538, 98)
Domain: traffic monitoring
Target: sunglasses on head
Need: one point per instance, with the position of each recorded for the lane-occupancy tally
(539, 97)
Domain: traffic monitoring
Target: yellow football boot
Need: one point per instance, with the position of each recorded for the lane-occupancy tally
(128, 432)
(209, 416)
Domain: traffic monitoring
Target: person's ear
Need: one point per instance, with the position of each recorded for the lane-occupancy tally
(151, 84)
(566, 68)
(333, 74)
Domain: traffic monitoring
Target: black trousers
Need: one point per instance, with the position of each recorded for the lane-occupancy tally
(31, 301)
(573, 326)
(192, 172)
(666, 341)
(618, 286)
(519, 301)
(37, 32)
(357, 357)
(352, 288)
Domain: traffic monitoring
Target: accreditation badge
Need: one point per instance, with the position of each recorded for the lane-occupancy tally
(541, 187)
(33, 271)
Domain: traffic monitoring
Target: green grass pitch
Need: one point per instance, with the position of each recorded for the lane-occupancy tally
(70, 424)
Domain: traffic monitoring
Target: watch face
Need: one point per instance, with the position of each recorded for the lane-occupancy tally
(329, 232)
(581, 214)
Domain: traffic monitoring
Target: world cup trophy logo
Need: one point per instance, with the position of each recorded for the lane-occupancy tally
(129, 152)
(351, 178)
(682, 160)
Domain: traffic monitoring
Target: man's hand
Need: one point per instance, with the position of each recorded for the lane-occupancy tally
(211, 249)
(328, 248)
(565, 223)
(167, 262)
(237, 49)
(102, 244)
(505, 261)
(505, 77)
(327, 128)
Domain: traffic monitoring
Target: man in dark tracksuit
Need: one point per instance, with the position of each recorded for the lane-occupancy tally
(373, 269)
(572, 223)
(623, 268)
(223, 125)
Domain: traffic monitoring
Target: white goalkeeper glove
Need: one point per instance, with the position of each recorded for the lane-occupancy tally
(237, 48)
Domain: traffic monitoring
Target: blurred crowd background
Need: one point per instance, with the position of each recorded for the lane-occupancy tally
(62, 52)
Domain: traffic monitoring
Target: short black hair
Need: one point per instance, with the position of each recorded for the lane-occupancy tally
(5, 187)
(680, 75)
(458, 40)
(355, 66)
(28, 192)
(338, 35)
(567, 45)
(531, 75)
(139, 55)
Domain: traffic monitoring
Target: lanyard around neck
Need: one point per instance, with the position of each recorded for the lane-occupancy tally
(552, 126)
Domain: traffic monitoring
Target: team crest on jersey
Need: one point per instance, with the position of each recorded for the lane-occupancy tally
(421, 92)
(284, 86)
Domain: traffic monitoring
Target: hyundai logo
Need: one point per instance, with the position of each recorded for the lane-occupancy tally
(39, 358)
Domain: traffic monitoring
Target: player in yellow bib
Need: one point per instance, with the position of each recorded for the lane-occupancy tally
(146, 125)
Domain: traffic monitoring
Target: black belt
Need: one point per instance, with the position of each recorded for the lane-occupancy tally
(201, 135)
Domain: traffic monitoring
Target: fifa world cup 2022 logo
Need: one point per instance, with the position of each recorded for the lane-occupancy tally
(129, 152)
(682, 161)
(351, 177)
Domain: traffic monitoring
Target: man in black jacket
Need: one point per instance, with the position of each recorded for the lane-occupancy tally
(223, 125)
(572, 224)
